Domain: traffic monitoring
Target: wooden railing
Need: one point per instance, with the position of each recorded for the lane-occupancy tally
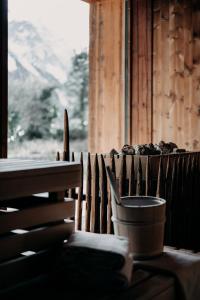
(174, 177)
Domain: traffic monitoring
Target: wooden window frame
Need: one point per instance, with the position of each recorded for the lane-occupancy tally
(3, 78)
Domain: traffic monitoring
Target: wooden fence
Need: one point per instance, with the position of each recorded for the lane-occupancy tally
(174, 177)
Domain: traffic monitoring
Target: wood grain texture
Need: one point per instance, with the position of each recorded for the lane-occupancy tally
(31, 177)
(176, 72)
(37, 215)
(95, 205)
(35, 239)
(103, 196)
(106, 111)
(80, 198)
(88, 194)
(141, 72)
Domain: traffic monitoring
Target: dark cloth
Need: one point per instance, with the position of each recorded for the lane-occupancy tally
(184, 266)
(94, 261)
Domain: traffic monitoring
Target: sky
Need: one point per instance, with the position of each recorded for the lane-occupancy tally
(68, 20)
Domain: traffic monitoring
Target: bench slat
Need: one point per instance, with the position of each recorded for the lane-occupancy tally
(34, 240)
(38, 215)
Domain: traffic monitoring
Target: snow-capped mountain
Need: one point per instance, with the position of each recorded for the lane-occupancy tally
(31, 53)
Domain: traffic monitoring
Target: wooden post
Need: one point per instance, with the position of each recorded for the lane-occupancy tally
(160, 192)
(72, 192)
(58, 156)
(104, 197)
(139, 179)
(109, 212)
(95, 220)
(131, 191)
(66, 135)
(88, 194)
(147, 179)
(80, 198)
(122, 176)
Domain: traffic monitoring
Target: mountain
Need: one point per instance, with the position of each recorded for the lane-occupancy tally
(30, 53)
(43, 79)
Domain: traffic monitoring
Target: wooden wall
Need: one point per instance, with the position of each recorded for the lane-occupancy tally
(164, 76)
(141, 72)
(106, 75)
(176, 72)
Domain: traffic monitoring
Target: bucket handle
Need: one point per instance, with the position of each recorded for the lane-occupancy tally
(113, 186)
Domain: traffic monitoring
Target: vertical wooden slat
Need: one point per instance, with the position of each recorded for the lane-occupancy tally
(72, 192)
(164, 128)
(183, 202)
(95, 218)
(168, 178)
(141, 98)
(173, 199)
(188, 195)
(109, 208)
(160, 191)
(195, 117)
(147, 179)
(156, 66)
(132, 178)
(66, 136)
(178, 208)
(103, 196)
(194, 215)
(197, 202)
(122, 176)
(188, 71)
(139, 178)
(88, 194)
(58, 156)
(80, 198)
(65, 156)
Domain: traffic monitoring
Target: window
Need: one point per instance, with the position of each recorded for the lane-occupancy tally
(47, 72)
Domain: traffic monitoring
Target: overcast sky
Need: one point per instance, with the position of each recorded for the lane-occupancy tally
(67, 19)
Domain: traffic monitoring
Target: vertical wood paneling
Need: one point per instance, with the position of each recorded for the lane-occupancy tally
(141, 51)
(165, 73)
(106, 75)
(195, 138)
(188, 63)
(176, 88)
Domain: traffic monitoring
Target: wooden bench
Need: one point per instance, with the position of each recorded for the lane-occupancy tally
(33, 226)
(33, 229)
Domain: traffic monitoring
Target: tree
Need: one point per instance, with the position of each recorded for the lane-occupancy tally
(77, 91)
(40, 113)
(32, 109)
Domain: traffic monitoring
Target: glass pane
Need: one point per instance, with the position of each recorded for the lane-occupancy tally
(48, 72)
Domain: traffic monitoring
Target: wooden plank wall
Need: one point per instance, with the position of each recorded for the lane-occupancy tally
(106, 103)
(176, 72)
(141, 72)
(164, 78)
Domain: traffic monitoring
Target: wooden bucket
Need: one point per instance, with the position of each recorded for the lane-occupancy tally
(142, 220)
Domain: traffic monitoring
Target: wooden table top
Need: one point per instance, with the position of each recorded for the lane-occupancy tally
(26, 177)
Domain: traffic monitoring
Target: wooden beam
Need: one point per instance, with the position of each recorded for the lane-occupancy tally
(106, 82)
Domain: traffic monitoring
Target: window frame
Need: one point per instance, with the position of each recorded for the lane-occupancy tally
(3, 78)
